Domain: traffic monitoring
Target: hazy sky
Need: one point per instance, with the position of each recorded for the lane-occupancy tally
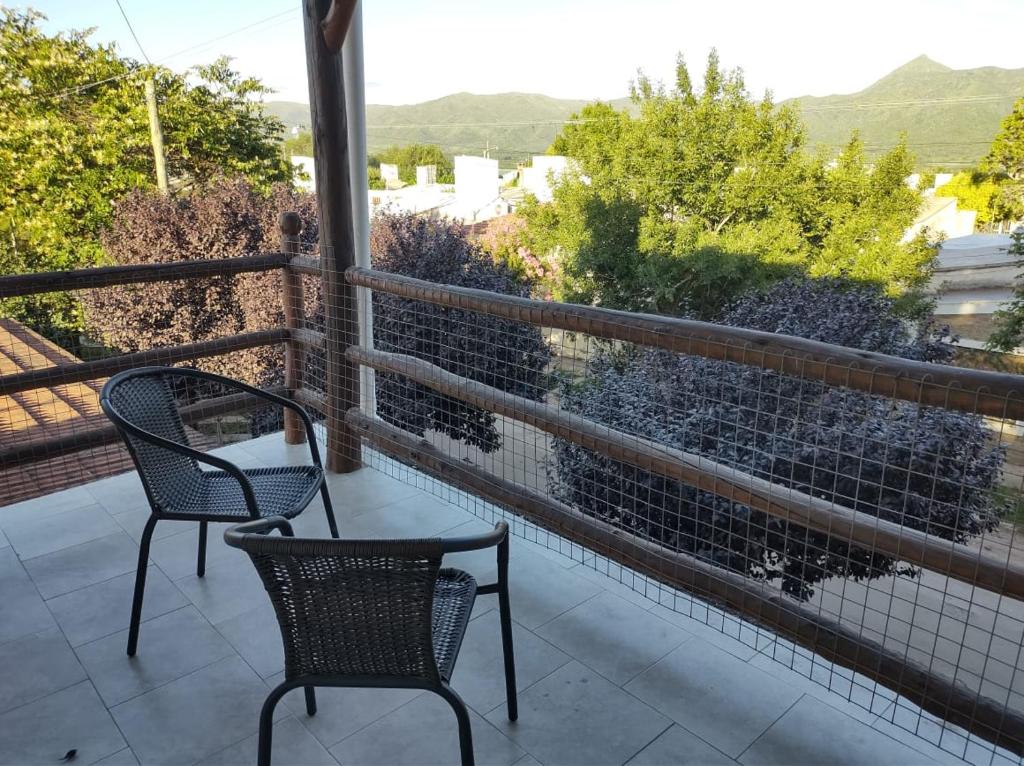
(419, 50)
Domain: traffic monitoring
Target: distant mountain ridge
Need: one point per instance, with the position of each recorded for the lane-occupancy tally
(950, 116)
(518, 124)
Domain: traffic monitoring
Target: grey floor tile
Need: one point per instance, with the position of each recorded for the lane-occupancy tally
(121, 758)
(480, 671)
(541, 590)
(170, 646)
(256, 636)
(43, 731)
(424, 732)
(176, 554)
(105, 608)
(612, 636)
(196, 716)
(416, 516)
(342, 712)
(940, 742)
(43, 507)
(678, 747)
(575, 716)
(37, 537)
(134, 522)
(119, 494)
(366, 489)
(707, 624)
(22, 611)
(616, 579)
(813, 733)
(231, 587)
(843, 689)
(717, 696)
(84, 564)
(34, 666)
(291, 745)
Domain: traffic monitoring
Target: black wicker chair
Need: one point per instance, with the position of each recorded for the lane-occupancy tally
(372, 613)
(142, 405)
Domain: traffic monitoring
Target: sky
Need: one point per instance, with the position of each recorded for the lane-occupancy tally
(586, 49)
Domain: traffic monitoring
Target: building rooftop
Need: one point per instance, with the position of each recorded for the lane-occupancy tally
(606, 674)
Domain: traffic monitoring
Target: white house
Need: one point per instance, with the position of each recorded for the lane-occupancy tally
(973, 278)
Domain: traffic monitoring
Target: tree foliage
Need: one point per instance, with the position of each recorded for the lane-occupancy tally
(1007, 157)
(978, 191)
(227, 218)
(704, 194)
(508, 355)
(409, 157)
(1009, 320)
(927, 468)
(74, 138)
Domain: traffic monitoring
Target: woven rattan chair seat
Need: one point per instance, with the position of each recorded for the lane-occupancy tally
(454, 595)
(282, 491)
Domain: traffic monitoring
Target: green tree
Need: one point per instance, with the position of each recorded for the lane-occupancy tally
(408, 157)
(976, 190)
(1007, 156)
(702, 195)
(74, 138)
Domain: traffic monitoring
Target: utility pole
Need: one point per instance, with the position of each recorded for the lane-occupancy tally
(156, 135)
(488, 148)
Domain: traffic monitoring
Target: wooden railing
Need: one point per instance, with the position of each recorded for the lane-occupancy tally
(296, 339)
(974, 391)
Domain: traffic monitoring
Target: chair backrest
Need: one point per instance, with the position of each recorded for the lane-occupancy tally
(352, 608)
(146, 400)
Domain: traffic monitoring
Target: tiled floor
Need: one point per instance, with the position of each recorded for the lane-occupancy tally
(606, 675)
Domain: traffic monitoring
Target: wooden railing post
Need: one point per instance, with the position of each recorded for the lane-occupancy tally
(337, 246)
(293, 300)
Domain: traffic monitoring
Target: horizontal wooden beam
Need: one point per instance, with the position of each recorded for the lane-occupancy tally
(311, 399)
(860, 529)
(62, 374)
(106, 276)
(306, 264)
(314, 340)
(36, 450)
(753, 600)
(978, 391)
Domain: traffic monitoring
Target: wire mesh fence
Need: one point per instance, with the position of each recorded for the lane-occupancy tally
(786, 501)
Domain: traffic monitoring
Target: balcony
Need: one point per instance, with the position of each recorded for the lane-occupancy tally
(613, 668)
(640, 638)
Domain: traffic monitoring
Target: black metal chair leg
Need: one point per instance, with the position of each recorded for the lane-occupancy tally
(267, 723)
(201, 559)
(310, 700)
(140, 585)
(465, 730)
(329, 509)
(505, 611)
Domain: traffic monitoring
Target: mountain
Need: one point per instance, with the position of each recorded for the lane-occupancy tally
(950, 116)
(518, 124)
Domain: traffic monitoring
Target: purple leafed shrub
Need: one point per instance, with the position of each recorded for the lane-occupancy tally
(927, 468)
(226, 219)
(508, 355)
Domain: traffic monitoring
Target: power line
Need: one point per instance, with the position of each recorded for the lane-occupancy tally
(134, 72)
(132, 30)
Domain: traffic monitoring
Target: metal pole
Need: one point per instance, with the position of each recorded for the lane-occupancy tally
(355, 107)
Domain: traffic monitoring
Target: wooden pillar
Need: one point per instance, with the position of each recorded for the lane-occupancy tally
(337, 251)
(294, 301)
